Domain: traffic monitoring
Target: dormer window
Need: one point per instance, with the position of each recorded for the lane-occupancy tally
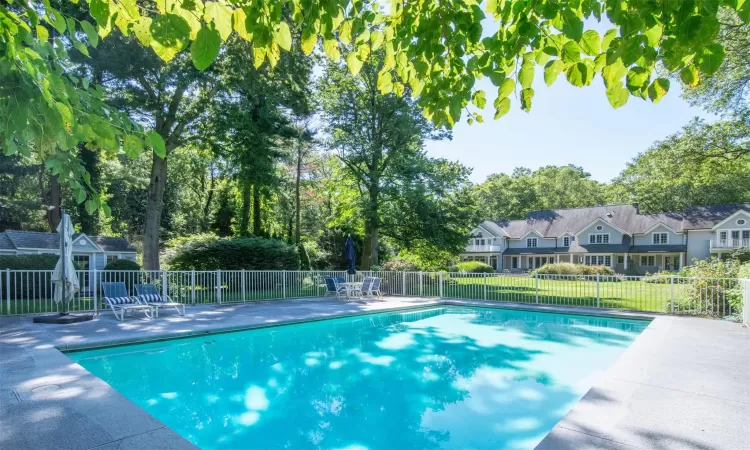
(660, 238)
(599, 228)
(566, 241)
(599, 238)
(741, 222)
(531, 242)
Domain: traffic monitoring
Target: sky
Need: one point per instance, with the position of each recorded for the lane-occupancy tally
(566, 125)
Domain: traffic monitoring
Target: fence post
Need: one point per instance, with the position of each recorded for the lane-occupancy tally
(536, 283)
(164, 290)
(283, 284)
(218, 287)
(93, 282)
(421, 284)
(671, 303)
(598, 300)
(403, 284)
(440, 281)
(7, 290)
(192, 286)
(243, 285)
(485, 285)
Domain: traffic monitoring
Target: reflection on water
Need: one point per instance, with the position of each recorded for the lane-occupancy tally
(440, 378)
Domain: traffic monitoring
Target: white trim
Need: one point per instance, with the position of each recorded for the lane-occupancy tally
(569, 233)
(89, 240)
(536, 241)
(730, 218)
(570, 239)
(602, 220)
(660, 224)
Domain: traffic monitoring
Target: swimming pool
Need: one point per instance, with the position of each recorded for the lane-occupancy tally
(445, 377)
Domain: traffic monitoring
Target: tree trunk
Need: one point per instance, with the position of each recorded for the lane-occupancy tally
(257, 224)
(90, 159)
(370, 256)
(297, 210)
(54, 213)
(154, 207)
(246, 203)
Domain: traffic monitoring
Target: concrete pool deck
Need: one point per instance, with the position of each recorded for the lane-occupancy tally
(684, 382)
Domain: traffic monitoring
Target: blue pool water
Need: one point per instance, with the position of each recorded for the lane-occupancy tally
(447, 377)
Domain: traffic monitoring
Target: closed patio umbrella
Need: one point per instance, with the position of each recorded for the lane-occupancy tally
(64, 277)
(350, 255)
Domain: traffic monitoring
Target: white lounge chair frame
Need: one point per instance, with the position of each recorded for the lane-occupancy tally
(149, 295)
(117, 298)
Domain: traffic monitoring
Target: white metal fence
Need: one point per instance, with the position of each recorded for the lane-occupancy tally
(745, 302)
(30, 291)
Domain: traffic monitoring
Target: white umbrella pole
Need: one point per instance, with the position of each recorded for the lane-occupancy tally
(63, 254)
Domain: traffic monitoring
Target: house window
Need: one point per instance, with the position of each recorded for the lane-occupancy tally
(660, 238)
(741, 222)
(620, 259)
(81, 262)
(648, 260)
(566, 241)
(599, 238)
(598, 260)
(514, 262)
(608, 261)
(599, 228)
(531, 242)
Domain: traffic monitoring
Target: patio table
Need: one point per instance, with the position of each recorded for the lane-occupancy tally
(352, 288)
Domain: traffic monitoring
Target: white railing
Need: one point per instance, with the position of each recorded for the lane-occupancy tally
(730, 243)
(484, 248)
(30, 291)
(745, 302)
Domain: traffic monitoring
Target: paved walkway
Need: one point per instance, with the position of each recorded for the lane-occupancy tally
(684, 383)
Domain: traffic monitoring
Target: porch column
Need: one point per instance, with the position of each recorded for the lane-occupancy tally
(626, 261)
(682, 260)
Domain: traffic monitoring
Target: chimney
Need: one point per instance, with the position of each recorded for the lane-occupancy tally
(635, 205)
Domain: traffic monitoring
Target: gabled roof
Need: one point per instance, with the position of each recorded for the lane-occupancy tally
(606, 222)
(493, 228)
(15, 239)
(733, 216)
(706, 217)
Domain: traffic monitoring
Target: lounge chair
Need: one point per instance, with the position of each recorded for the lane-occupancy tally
(364, 287)
(333, 288)
(148, 294)
(117, 298)
(373, 289)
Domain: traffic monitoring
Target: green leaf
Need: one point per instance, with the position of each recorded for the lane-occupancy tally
(331, 47)
(479, 100)
(221, 16)
(309, 39)
(42, 34)
(637, 78)
(376, 39)
(526, 75)
(711, 58)
(99, 10)
(571, 52)
(658, 89)
(689, 75)
(614, 72)
(90, 33)
(205, 48)
(506, 87)
(552, 71)
(609, 36)
(155, 141)
(283, 37)
(385, 83)
(142, 30)
(502, 106)
(590, 43)
(617, 95)
(170, 35)
(132, 146)
(654, 34)
(573, 27)
(526, 96)
(106, 209)
(354, 64)
(56, 20)
(90, 206)
(345, 32)
(80, 196)
(577, 74)
(239, 24)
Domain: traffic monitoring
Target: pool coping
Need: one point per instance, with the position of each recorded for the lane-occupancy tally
(148, 431)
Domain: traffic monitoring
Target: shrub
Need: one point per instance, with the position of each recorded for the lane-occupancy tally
(122, 264)
(399, 265)
(573, 269)
(249, 253)
(28, 262)
(712, 288)
(472, 267)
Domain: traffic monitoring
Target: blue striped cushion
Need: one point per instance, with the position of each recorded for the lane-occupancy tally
(120, 300)
(152, 298)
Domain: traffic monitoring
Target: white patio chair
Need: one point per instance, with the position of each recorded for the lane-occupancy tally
(148, 294)
(117, 298)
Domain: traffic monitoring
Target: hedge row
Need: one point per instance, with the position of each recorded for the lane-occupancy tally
(248, 253)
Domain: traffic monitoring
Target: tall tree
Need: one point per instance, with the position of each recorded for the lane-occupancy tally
(372, 134)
